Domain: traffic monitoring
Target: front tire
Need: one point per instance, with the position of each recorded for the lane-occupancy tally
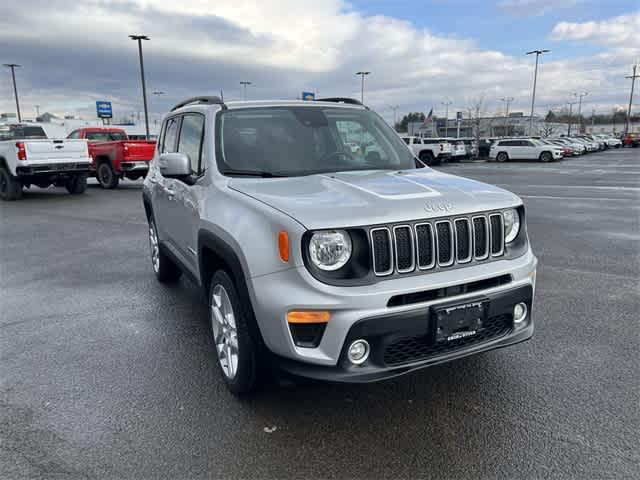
(546, 157)
(234, 335)
(165, 269)
(106, 176)
(10, 187)
(77, 184)
(502, 157)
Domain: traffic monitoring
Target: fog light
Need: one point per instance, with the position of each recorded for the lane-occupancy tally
(519, 312)
(358, 352)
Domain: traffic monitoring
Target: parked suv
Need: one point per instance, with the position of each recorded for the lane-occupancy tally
(331, 263)
(524, 149)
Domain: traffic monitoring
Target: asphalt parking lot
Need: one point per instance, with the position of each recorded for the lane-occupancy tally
(107, 374)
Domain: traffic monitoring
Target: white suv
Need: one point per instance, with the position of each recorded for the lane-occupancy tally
(524, 149)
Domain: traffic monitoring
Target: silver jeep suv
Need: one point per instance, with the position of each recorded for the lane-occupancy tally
(324, 246)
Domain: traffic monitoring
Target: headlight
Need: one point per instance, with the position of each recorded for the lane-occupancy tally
(330, 250)
(511, 224)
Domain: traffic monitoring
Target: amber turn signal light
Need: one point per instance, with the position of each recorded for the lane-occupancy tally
(308, 316)
(283, 245)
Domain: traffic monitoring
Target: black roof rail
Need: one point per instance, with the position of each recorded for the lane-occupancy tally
(350, 101)
(213, 100)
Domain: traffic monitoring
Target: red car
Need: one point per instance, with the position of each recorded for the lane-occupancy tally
(631, 140)
(114, 155)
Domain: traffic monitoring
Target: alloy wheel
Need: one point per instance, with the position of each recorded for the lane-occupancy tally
(155, 248)
(225, 333)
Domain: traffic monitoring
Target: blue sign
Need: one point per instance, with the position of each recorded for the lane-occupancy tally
(104, 109)
(308, 96)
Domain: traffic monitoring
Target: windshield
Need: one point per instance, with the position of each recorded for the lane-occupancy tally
(21, 132)
(105, 136)
(292, 141)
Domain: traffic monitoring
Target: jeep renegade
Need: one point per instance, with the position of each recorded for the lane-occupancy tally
(338, 263)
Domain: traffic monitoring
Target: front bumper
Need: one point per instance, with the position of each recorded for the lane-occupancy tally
(402, 343)
(276, 294)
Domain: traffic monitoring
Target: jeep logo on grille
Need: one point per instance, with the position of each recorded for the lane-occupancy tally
(438, 207)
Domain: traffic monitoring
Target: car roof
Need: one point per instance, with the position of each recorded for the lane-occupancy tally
(236, 105)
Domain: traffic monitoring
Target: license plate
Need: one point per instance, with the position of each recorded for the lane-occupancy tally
(456, 322)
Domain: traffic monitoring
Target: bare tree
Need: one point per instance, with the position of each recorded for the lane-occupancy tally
(548, 129)
(475, 112)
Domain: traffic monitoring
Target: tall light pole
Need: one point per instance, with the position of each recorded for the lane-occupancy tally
(362, 74)
(37, 111)
(13, 66)
(244, 83)
(580, 95)
(633, 82)
(535, 79)
(395, 114)
(139, 39)
(571, 104)
(507, 100)
(446, 117)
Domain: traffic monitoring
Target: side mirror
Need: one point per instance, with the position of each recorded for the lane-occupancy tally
(175, 165)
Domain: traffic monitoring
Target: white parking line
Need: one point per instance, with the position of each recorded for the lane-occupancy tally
(593, 187)
(596, 199)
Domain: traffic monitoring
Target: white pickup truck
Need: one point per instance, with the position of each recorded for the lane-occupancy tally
(431, 151)
(28, 157)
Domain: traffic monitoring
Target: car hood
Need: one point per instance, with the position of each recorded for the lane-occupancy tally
(359, 198)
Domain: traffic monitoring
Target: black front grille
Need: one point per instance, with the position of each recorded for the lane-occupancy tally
(438, 243)
(497, 234)
(417, 348)
(481, 237)
(404, 248)
(381, 246)
(445, 243)
(463, 240)
(425, 246)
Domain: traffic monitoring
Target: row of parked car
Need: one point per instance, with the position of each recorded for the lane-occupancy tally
(434, 151)
(550, 148)
(28, 157)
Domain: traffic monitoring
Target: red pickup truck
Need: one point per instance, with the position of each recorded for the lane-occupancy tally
(114, 156)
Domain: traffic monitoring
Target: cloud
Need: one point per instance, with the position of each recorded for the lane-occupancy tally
(534, 8)
(622, 31)
(74, 53)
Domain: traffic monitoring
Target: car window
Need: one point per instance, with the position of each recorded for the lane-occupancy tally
(190, 142)
(171, 135)
(19, 132)
(406, 140)
(290, 141)
(74, 135)
(417, 141)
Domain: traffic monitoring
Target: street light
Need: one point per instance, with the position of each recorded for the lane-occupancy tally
(244, 83)
(446, 117)
(633, 82)
(571, 104)
(580, 95)
(12, 66)
(535, 78)
(395, 114)
(139, 39)
(507, 100)
(362, 74)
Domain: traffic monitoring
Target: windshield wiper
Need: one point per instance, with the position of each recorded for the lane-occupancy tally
(251, 173)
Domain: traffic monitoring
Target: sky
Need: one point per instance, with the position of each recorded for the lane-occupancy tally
(421, 53)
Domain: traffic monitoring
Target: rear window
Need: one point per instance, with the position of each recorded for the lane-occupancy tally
(105, 136)
(19, 132)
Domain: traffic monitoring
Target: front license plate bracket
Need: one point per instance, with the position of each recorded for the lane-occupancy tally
(456, 322)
